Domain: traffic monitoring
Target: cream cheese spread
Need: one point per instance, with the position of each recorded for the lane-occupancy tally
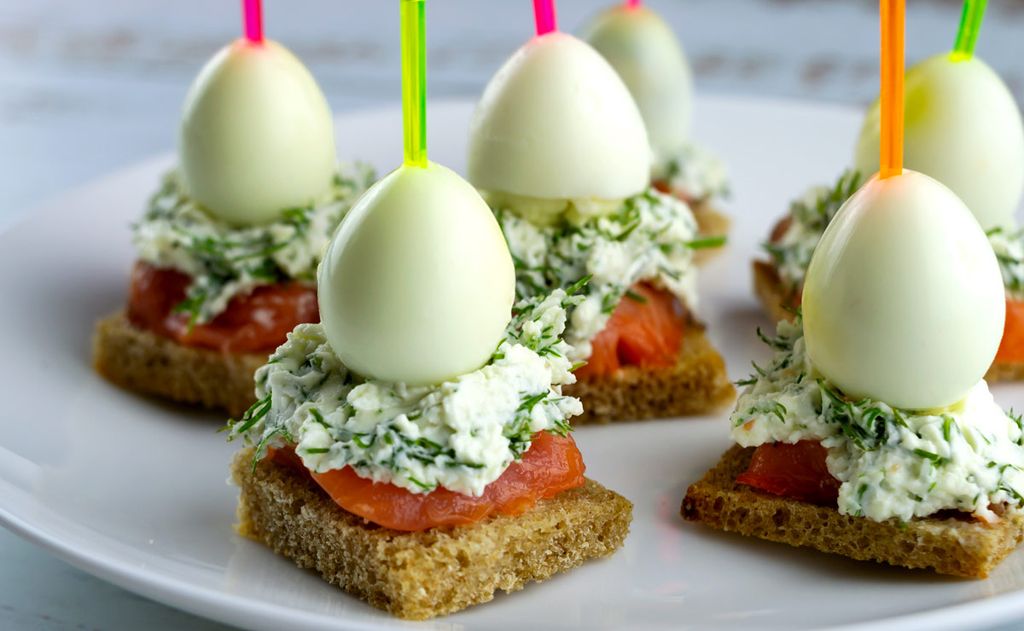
(460, 435)
(226, 261)
(1009, 248)
(891, 463)
(808, 217)
(650, 237)
(694, 171)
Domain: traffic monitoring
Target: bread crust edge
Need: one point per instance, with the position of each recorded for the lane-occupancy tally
(697, 384)
(952, 546)
(711, 222)
(146, 363)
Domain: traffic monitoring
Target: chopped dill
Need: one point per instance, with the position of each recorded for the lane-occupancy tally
(707, 242)
(224, 261)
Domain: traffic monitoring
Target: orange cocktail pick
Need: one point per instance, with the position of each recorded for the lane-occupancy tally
(893, 14)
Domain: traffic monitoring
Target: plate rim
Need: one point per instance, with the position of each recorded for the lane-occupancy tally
(237, 609)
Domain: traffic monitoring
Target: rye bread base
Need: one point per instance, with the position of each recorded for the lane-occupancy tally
(770, 292)
(697, 384)
(147, 363)
(710, 223)
(958, 547)
(420, 575)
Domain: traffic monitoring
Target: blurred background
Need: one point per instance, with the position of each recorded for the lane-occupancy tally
(88, 87)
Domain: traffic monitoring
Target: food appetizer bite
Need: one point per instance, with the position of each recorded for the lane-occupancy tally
(229, 246)
(414, 447)
(646, 53)
(964, 129)
(872, 433)
(558, 149)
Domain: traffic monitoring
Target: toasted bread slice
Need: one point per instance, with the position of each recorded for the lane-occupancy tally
(947, 545)
(147, 363)
(774, 299)
(419, 575)
(770, 291)
(710, 223)
(697, 384)
(1005, 371)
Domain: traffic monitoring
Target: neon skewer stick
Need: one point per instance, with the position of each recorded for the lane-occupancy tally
(893, 18)
(970, 24)
(252, 20)
(414, 83)
(544, 16)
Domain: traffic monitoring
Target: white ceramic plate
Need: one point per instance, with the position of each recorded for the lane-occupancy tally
(134, 491)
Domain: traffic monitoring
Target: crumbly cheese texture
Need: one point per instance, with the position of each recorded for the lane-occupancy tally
(226, 261)
(891, 463)
(808, 217)
(460, 435)
(1009, 248)
(811, 213)
(695, 171)
(650, 237)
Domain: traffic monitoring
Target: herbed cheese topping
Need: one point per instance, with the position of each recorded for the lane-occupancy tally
(810, 215)
(1009, 249)
(225, 261)
(460, 435)
(891, 463)
(650, 237)
(695, 171)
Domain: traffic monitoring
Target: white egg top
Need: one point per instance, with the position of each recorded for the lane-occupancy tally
(557, 123)
(903, 301)
(417, 284)
(256, 135)
(790, 250)
(963, 128)
(647, 55)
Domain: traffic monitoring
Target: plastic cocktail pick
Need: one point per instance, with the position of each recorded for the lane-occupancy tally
(632, 4)
(544, 16)
(893, 18)
(414, 83)
(967, 34)
(252, 17)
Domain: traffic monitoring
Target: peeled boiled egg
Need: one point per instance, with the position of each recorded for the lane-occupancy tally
(256, 135)
(964, 129)
(903, 300)
(649, 58)
(557, 122)
(417, 284)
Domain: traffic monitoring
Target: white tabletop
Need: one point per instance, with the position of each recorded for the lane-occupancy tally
(87, 87)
